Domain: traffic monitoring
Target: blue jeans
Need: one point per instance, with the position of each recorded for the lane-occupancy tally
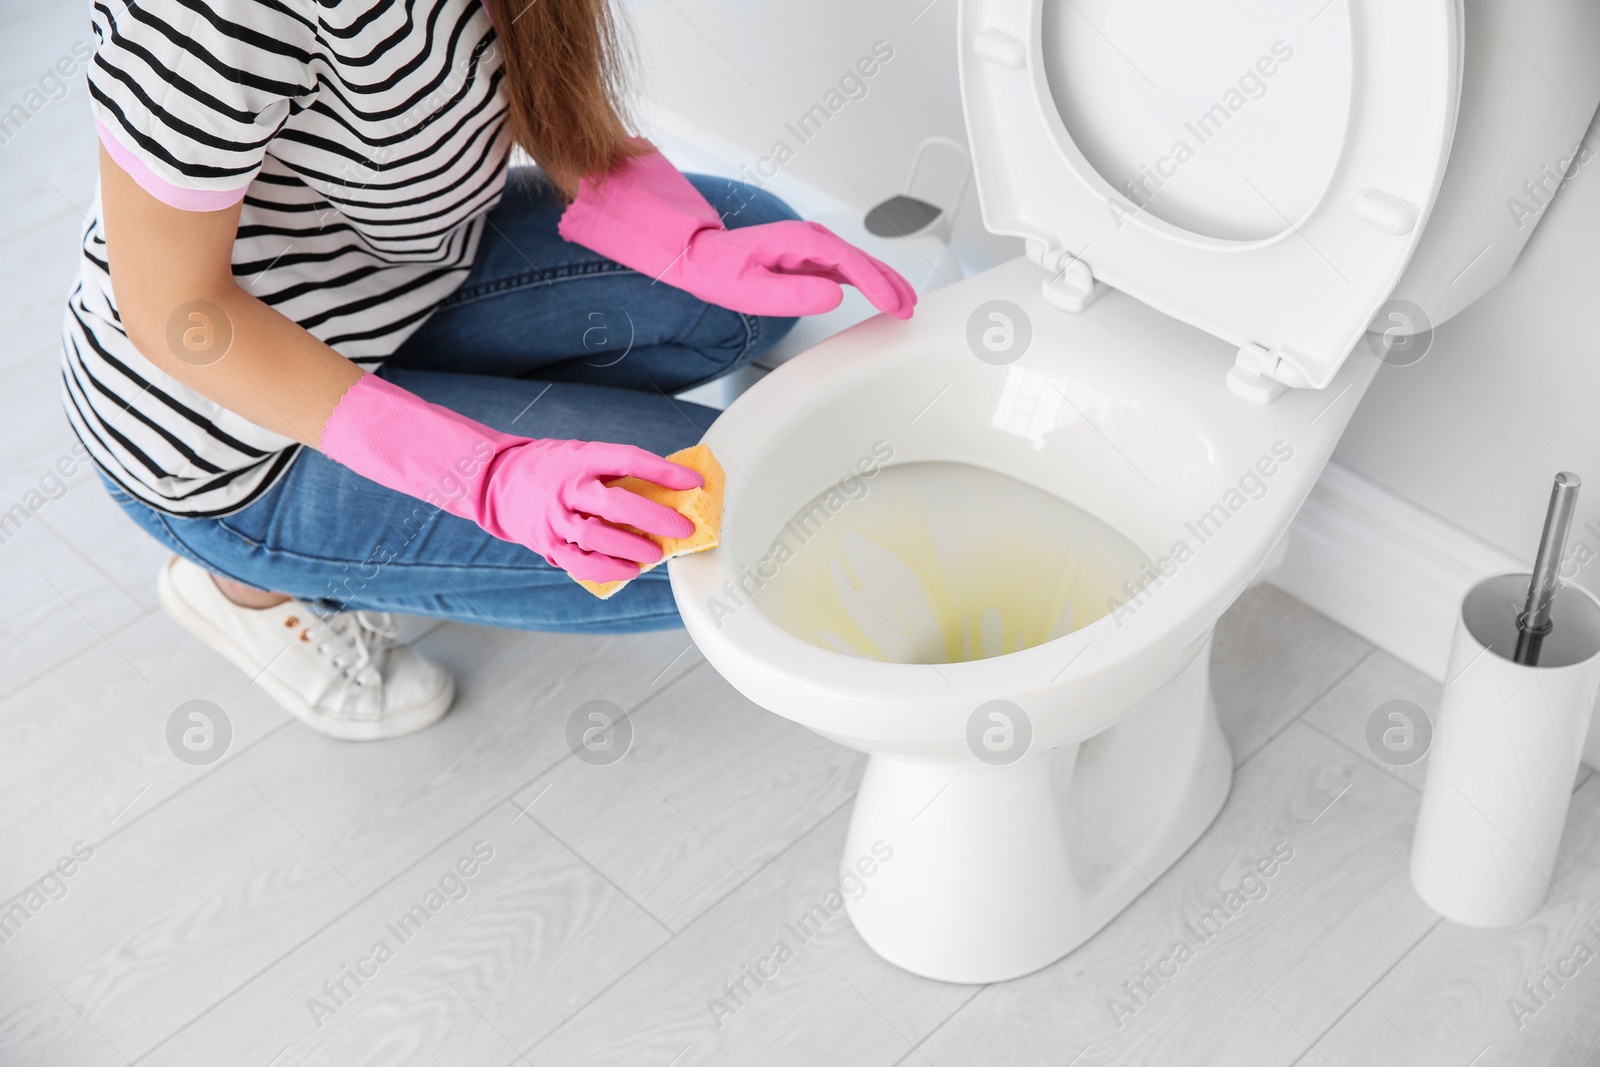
(543, 339)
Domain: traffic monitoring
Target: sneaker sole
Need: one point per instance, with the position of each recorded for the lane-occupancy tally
(418, 718)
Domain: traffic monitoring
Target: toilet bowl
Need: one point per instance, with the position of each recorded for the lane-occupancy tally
(988, 546)
(1000, 867)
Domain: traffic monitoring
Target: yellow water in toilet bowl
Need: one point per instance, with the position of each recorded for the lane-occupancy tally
(940, 563)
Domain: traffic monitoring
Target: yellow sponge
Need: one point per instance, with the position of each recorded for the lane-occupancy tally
(703, 507)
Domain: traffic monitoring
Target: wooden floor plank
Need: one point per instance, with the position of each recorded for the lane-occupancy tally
(372, 808)
(713, 787)
(1271, 658)
(184, 905)
(1460, 997)
(1344, 711)
(84, 751)
(828, 1000)
(511, 950)
(56, 607)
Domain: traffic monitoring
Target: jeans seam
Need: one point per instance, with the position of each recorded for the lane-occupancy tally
(468, 294)
(187, 550)
(301, 557)
(184, 548)
(752, 331)
(752, 335)
(601, 626)
(483, 291)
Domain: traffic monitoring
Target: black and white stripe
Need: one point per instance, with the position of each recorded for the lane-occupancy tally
(369, 139)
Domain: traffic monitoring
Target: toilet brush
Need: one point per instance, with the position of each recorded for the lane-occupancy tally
(1518, 697)
(1534, 622)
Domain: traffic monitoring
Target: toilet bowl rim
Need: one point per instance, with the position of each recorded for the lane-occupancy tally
(872, 705)
(752, 650)
(1091, 658)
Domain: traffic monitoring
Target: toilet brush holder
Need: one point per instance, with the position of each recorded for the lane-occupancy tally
(1505, 755)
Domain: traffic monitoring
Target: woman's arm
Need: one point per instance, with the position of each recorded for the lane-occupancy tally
(272, 371)
(549, 495)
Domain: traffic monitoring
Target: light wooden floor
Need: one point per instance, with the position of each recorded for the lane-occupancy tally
(616, 901)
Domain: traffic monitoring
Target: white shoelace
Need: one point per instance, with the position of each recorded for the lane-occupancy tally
(357, 641)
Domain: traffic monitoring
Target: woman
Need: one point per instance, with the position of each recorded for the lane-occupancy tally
(325, 351)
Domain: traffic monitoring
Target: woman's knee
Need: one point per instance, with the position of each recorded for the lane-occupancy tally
(741, 204)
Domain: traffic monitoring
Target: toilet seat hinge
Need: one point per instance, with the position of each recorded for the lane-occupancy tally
(1073, 286)
(1253, 375)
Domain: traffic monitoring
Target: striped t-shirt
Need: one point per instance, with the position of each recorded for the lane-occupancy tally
(366, 139)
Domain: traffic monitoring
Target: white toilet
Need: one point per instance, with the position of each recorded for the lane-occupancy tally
(988, 546)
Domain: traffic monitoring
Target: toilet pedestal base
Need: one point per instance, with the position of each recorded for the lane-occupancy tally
(994, 872)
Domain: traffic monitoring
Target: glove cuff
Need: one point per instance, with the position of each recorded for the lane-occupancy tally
(405, 443)
(643, 214)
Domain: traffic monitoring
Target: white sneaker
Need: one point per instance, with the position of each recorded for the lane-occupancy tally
(342, 674)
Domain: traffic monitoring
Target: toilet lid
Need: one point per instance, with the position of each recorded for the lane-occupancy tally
(1261, 169)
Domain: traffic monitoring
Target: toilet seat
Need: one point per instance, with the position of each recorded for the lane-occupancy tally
(1294, 303)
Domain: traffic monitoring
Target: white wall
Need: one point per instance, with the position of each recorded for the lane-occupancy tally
(1508, 394)
(742, 73)
(746, 72)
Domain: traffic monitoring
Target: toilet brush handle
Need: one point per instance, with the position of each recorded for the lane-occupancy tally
(1534, 622)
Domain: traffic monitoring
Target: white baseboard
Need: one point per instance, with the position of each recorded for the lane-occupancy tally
(1389, 571)
(1379, 565)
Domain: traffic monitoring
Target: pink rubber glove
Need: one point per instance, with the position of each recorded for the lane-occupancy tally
(646, 215)
(546, 494)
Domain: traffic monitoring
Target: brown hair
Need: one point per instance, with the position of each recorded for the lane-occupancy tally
(563, 84)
